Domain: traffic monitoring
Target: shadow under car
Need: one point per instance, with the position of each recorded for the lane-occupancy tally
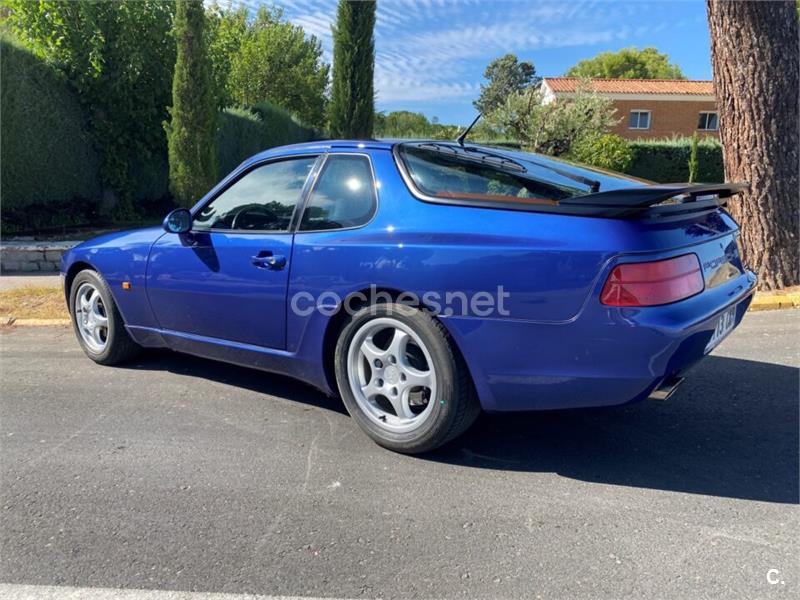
(731, 430)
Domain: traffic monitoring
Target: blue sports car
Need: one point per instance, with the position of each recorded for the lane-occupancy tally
(424, 281)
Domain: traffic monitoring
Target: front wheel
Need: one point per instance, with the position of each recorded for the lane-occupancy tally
(402, 380)
(97, 322)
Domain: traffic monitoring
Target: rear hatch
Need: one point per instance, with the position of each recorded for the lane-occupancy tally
(580, 224)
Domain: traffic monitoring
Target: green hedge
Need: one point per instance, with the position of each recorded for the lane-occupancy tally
(243, 133)
(48, 169)
(667, 161)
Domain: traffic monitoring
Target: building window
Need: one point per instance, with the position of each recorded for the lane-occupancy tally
(640, 119)
(709, 121)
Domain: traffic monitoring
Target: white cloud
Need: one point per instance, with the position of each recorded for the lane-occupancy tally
(429, 50)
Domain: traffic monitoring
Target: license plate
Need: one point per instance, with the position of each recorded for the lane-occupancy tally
(724, 326)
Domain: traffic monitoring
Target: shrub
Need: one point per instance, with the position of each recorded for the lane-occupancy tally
(606, 151)
(667, 161)
(243, 133)
(552, 128)
(151, 190)
(48, 169)
(119, 58)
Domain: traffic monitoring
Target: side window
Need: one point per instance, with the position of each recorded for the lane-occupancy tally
(263, 199)
(344, 195)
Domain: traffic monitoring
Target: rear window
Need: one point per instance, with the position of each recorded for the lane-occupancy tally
(447, 172)
(446, 176)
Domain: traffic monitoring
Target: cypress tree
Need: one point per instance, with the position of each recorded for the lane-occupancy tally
(191, 134)
(352, 107)
(694, 161)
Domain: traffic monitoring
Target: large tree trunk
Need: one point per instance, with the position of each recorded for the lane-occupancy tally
(756, 59)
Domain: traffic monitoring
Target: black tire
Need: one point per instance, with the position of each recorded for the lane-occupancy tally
(119, 346)
(454, 409)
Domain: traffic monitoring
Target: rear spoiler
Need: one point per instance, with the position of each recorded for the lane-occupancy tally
(631, 202)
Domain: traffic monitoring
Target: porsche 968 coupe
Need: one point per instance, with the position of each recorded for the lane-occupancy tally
(425, 281)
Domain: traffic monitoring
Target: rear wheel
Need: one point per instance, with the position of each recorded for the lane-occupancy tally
(97, 322)
(402, 380)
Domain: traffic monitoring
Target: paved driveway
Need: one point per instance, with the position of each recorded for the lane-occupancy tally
(181, 474)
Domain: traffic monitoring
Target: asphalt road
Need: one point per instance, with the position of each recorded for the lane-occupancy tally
(181, 474)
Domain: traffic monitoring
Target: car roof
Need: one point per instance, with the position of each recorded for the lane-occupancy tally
(324, 146)
(328, 145)
(607, 179)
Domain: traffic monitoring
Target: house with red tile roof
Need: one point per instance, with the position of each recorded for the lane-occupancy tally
(649, 108)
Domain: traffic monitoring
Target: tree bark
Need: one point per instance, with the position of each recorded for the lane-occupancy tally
(755, 54)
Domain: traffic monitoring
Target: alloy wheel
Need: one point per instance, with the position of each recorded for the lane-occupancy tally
(91, 317)
(391, 375)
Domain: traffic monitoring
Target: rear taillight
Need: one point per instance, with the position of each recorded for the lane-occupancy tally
(653, 283)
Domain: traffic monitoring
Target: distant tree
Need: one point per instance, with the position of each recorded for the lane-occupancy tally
(225, 29)
(352, 108)
(450, 132)
(410, 125)
(191, 133)
(756, 62)
(275, 62)
(506, 76)
(402, 124)
(118, 57)
(552, 128)
(628, 63)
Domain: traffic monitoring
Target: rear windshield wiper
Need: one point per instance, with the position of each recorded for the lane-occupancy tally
(593, 185)
(476, 155)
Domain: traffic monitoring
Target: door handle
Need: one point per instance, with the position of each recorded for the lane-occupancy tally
(267, 260)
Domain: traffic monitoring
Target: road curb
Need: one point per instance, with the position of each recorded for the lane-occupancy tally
(12, 322)
(29, 256)
(774, 301)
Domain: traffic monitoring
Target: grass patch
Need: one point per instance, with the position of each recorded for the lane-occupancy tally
(33, 303)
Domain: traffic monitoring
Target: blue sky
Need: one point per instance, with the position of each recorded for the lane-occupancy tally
(430, 54)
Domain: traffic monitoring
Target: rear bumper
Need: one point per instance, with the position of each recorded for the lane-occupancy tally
(606, 356)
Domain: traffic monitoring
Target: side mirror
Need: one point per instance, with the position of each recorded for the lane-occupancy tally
(178, 221)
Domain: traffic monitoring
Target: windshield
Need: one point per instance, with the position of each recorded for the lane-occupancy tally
(447, 171)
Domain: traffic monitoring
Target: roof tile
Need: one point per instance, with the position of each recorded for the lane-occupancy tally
(633, 86)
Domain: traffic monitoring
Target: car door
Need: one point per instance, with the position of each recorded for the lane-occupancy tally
(227, 278)
(328, 253)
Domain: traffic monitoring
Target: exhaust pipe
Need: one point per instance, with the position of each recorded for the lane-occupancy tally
(666, 388)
